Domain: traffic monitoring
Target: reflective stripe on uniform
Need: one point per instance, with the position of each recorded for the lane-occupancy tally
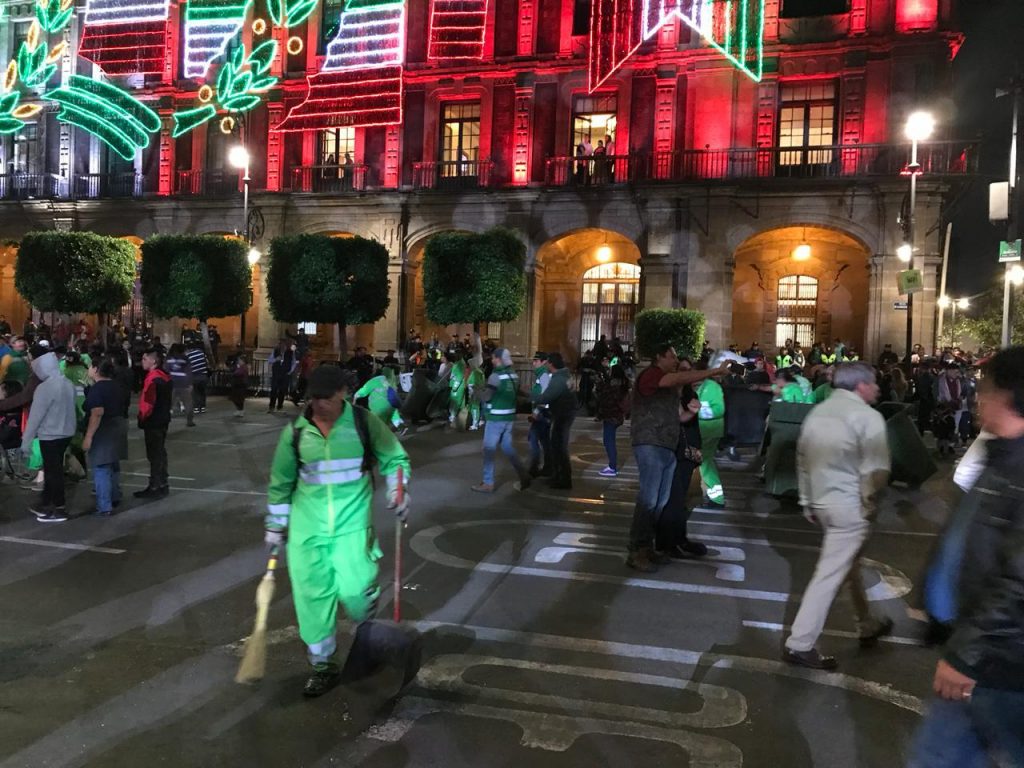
(332, 465)
(279, 510)
(501, 411)
(331, 478)
(507, 376)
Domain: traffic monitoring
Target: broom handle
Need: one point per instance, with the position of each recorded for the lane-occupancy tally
(399, 524)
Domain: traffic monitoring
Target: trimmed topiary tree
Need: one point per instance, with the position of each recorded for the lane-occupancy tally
(470, 278)
(76, 272)
(322, 279)
(196, 276)
(682, 328)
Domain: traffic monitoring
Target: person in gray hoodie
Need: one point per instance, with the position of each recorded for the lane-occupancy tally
(52, 419)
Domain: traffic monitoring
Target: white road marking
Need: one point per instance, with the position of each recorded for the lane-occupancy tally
(63, 545)
(773, 627)
(424, 544)
(723, 571)
(146, 474)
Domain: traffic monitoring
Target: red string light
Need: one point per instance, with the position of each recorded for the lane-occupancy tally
(457, 29)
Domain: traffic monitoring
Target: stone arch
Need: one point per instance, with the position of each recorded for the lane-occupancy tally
(556, 304)
(838, 261)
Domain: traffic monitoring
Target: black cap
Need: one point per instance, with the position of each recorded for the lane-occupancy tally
(555, 360)
(538, 355)
(38, 350)
(327, 380)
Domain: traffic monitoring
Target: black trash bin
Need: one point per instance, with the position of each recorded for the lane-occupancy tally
(784, 422)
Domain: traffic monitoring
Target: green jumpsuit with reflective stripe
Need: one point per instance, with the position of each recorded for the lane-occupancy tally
(376, 390)
(326, 508)
(476, 383)
(457, 389)
(712, 428)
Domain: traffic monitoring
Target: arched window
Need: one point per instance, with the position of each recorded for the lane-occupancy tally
(798, 310)
(611, 293)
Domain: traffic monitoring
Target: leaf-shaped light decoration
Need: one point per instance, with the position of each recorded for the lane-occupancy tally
(298, 11)
(8, 102)
(27, 110)
(34, 33)
(57, 52)
(11, 76)
(274, 8)
(262, 57)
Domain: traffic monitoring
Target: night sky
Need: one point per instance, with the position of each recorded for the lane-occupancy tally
(994, 47)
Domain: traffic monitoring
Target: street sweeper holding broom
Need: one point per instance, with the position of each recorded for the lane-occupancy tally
(320, 497)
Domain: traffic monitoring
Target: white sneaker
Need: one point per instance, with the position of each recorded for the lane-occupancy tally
(608, 472)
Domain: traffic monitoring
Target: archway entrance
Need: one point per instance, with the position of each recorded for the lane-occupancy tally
(803, 283)
(586, 283)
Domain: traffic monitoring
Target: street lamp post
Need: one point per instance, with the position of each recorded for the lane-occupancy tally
(955, 304)
(238, 157)
(920, 126)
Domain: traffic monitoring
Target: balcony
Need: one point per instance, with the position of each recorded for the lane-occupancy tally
(452, 175)
(329, 179)
(841, 161)
(215, 182)
(29, 186)
(87, 186)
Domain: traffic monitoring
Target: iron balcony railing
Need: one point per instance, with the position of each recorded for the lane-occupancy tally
(452, 174)
(208, 183)
(97, 185)
(30, 186)
(331, 179)
(840, 161)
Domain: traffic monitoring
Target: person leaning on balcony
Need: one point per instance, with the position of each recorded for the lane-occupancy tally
(843, 464)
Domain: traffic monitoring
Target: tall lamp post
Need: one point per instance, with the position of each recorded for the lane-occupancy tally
(920, 126)
(1014, 279)
(238, 157)
(961, 304)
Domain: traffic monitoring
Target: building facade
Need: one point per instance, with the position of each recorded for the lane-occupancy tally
(687, 162)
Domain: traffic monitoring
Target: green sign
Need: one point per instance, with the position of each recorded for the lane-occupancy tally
(911, 281)
(1009, 251)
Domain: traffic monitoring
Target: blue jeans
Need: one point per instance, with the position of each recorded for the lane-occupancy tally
(106, 479)
(983, 731)
(610, 430)
(499, 433)
(540, 439)
(657, 466)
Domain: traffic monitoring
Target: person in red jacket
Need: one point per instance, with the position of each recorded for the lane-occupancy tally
(154, 418)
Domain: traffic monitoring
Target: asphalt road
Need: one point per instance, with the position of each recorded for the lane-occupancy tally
(119, 637)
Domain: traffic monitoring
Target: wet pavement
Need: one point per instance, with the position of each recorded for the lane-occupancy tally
(119, 637)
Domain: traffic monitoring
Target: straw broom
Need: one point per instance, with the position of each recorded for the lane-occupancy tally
(254, 663)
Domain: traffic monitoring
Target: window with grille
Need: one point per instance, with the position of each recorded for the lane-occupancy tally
(581, 17)
(611, 293)
(797, 310)
(807, 119)
(460, 138)
(337, 146)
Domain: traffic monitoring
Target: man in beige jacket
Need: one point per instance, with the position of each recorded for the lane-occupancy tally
(842, 465)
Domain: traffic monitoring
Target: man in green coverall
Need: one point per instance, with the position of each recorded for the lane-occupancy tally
(456, 388)
(711, 420)
(476, 382)
(382, 394)
(320, 498)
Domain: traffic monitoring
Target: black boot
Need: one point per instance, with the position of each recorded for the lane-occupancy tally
(325, 676)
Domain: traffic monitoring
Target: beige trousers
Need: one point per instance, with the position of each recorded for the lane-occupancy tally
(846, 532)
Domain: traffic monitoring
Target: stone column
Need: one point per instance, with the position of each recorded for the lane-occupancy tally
(526, 27)
(165, 180)
(523, 136)
(516, 335)
(387, 332)
(275, 148)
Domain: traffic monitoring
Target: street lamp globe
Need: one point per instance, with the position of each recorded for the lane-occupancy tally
(920, 126)
(1016, 275)
(253, 256)
(943, 302)
(905, 253)
(963, 304)
(238, 157)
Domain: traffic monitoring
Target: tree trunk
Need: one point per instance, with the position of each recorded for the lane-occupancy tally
(342, 342)
(478, 348)
(103, 319)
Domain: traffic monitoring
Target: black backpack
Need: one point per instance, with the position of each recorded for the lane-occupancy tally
(359, 416)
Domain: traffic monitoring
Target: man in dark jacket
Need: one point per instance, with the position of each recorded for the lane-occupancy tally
(975, 586)
(561, 402)
(154, 418)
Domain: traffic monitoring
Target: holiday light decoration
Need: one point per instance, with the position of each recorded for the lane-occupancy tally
(110, 114)
(259, 27)
(294, 45)
(735, 28)
(209, 26)
(125, 37)
(240, 82)
(288, 13)
(360, 83)
(457, 29)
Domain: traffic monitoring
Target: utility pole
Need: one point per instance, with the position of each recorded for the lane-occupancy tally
(1016, 210)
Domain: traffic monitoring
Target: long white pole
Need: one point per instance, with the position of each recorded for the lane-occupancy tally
(942, 282)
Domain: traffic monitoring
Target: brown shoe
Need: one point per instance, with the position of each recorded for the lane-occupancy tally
(641, 561)
(812, 659)
(483, 488)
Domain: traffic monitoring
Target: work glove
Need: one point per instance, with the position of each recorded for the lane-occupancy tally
(401, 509)
(274, 539)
